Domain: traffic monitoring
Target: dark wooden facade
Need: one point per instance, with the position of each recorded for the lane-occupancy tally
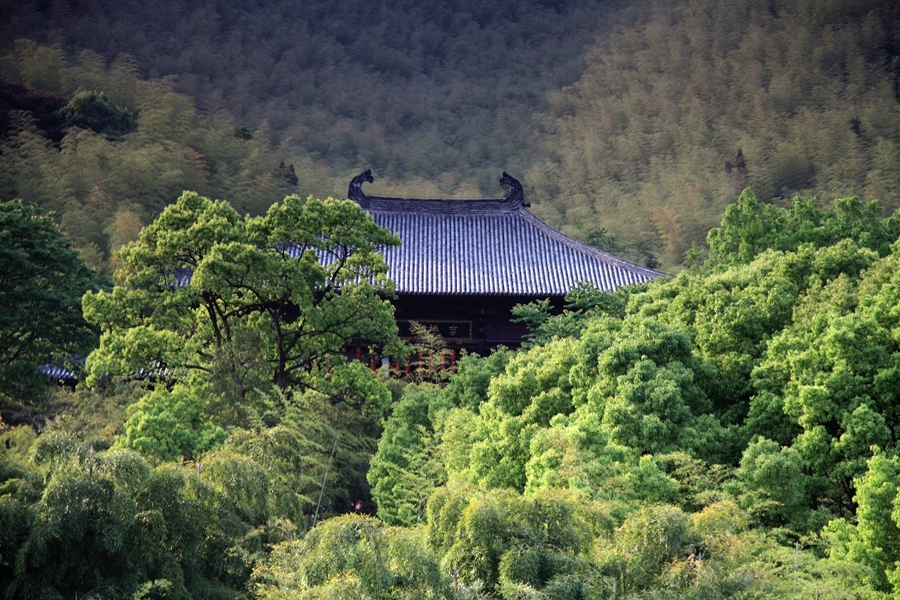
(471, 323)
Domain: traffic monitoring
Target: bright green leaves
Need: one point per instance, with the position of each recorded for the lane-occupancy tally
(633, 378)
(583, 303)
(878, 514)
(236, 305)
(717, 416)
(834, 370)
(500, 539)
(648, 411)
(750, 227)
(170, 425)
(353, 557)
(875, 540)
(644, 544)
(89, 520)
(404, 470)
(771, 485)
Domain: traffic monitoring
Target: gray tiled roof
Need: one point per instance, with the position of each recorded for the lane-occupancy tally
(488, 247)
(59, 372)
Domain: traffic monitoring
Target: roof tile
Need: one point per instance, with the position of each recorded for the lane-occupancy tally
(487, 247)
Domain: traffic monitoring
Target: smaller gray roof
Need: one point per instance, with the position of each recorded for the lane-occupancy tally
(59, 372)
(487, 247)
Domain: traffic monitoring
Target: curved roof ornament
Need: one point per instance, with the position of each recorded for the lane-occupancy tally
(356, 192)
(516, 192)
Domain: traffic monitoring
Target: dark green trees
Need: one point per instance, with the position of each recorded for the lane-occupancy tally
(97, 112)
(42, 280)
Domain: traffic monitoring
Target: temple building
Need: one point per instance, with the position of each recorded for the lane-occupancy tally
(463, 264)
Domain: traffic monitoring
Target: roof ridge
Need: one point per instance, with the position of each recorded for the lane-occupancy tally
(487, 247)
(514, 200)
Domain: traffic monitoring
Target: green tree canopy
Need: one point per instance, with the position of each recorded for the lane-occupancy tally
(169, 425)
(750, 227)
(96, 111)
(352, 557)
(237, 305)
(42, 280)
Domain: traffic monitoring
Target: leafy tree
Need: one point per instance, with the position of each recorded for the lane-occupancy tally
(832, 371)
(97, 112)
(875, 540)
(749, 227)
(468, 387)
(576, 453)
(169, 425)
(582, 303)
(88, 536)
(239, 304)
(500, 541)
(635, 378)
(404, 470)
(770, 484)
(352, 556)
(292, 456)
(644, 544)
(20, 488)
(879, 517)
(412, 457)
(41, 283)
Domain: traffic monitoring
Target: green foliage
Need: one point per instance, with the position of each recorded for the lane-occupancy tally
(41, 283)
(502, 541)
(352, 557)
(108, 524)
(411, 459)
(649, 539)
(169, 425)
(97, 112)
(88, 535)
(291, 455)
(629, 385)
(103, 189)
(582, 303)
(631, 424)
(649, 119)
(831, 371)
(657, 415)
(404, 470)
(681, 107)
(270, 299)
(685, 440)
(468, 388)
(750, 227)
(873, 540)
(771, 486)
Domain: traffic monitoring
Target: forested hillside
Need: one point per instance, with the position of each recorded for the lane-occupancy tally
(688, 103)
(427, 91)
(632, 125)
(730, 431)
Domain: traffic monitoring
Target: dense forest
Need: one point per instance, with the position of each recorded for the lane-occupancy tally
(631, 125)
(730, 431)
